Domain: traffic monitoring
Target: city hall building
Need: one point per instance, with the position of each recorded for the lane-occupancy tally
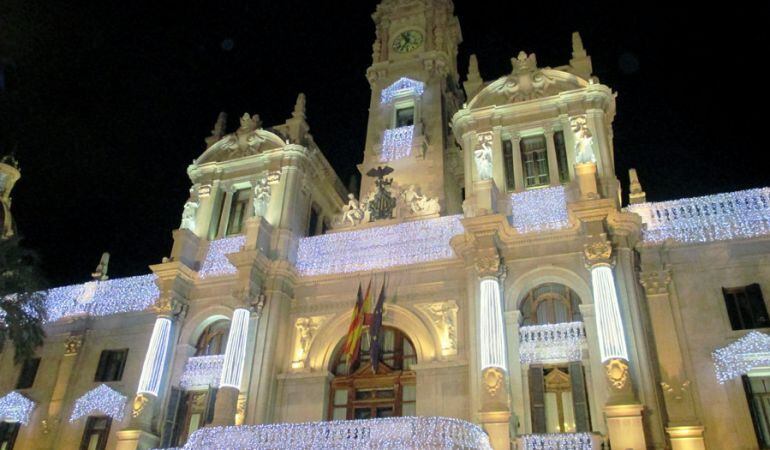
(525, 306)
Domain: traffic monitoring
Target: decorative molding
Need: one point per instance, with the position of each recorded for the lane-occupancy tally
(655, 282)
(617, 373)
(493, 380)
(597, 252)
(73, 344)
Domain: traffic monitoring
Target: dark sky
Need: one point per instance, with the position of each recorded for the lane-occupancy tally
(106, 103)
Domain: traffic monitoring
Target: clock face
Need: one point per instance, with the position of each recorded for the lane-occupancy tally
(407, 41)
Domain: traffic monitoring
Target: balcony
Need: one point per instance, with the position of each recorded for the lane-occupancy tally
(395, 432)
(561, 342)
(560, 441)
(202, 371)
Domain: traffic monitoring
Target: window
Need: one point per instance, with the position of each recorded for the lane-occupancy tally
(8, 433)
(758, 395)
(510, 183)
(111, 365)
(561, 156)
(550, 303)
(213, 340)
(186, 413)
(559, 403)
(391, 392)
(96, 433)
(404, 116)
(746, 307)
(534, 157)
(28, 373)
(238, 208)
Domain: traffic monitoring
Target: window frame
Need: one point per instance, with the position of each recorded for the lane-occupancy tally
(745, 305)
(90, 430)
(104, 363)
(538, 161)
(25, 368)
(9, 432)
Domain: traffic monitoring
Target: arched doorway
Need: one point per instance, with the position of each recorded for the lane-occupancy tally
(359, 393)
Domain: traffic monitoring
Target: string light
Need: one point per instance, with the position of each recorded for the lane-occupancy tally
(612, 341)
(491, 330)
(551, 342)
(404, 86)
(235, 353)
(397, 143)
(155, 359)
(557, 441)
(102, 399)
(730, 215)
(202, 371)
(539, 210)
(412, 242)
(740, 357)
(215, 263)
(15, 407)
(381, 433)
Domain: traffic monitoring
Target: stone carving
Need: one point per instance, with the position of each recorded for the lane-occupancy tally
(443, 315)
(261, 198)
(597, 252)
(655, 282)
(72, 345)
(417, 204)
(493, 380)
(483, 156)
(617, 373)
(677, 391)
(584, 141)
(100, 273)
(526, 81)
(218, 131)
(240, 409)
(306, 331)
(140, 402)
(352, 213)
(190, 211)
(88, 292)
(488, 265)
(168, 305)
(382, 204)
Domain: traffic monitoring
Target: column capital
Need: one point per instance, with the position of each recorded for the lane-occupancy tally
(655, 282)
(72, 344)
(598, 253)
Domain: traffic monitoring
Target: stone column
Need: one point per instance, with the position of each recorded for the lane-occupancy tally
(622, 411)
(225, 211)
(498, 161)
(683, 428)
(553, 161)
(512, 325)
(72, 348)
(495, 411)
(518, 168)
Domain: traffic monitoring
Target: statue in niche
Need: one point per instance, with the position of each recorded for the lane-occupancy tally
(382, 204)
(584, 141)
(189, 212)
(352, 212)
(419, 204)
(218, 131)
(444, 317)
(305, 331)
(261, 198)
(483, 158)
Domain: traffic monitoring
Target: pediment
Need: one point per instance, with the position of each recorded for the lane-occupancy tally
(241, 145)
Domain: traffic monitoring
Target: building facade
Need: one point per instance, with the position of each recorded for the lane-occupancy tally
(522, 298)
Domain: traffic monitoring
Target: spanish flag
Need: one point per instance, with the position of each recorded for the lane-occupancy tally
(355, 330)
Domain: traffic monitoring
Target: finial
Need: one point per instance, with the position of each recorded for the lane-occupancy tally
(218, 131)
(299, 107)
(100, 273)
(473, 69)
(578, 51)
(524, 63)
(635, 192)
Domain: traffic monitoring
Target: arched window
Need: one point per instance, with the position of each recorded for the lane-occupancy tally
(213, 340)
(359, 393)
(550, 303)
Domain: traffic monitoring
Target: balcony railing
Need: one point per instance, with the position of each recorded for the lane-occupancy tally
(397, 143)
(202, 371)
(551, 343)
(395, 432)
(559, 441)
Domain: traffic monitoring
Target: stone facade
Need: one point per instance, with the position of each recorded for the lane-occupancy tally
(531, 300)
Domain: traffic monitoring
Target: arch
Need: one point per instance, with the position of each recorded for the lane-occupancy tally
(322, 348)
(233, 146)
(517, 289)
(195, 325)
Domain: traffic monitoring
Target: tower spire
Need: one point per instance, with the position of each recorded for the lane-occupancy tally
(635, 192)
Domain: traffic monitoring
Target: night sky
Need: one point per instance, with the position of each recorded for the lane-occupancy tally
(105, 104)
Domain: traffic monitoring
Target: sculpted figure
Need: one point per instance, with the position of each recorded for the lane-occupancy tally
(189, 212)
(261, 198)
(484, 162)
(352, 212)
(584, 141)
(419, 204)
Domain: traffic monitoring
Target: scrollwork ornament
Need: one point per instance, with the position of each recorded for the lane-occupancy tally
(493, 380)
(72, 345)
(617, 373)
(140, 402)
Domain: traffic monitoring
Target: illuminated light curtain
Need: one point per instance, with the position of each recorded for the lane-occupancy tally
(235, 354)
(612, 340)
(491, 330)
(155, 359)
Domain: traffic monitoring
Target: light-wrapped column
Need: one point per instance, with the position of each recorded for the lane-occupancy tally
(612, 340)
(491, 326)
(235, 353)
(155, 359)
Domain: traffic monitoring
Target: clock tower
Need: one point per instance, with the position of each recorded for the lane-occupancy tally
(415, 92)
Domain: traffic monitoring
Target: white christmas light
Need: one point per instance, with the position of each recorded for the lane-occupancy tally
(747, 353)
(155, 359)
(551, 343)
(412, 242)
(235, 353)
(539, 210)
(491, 329)
(202, 371)
(404, 86)
(397, 143)
(102, 399)
(15, 407)
(730, 215)
(612, 340)
(386, 433)
(557, 441)
(216, 263)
